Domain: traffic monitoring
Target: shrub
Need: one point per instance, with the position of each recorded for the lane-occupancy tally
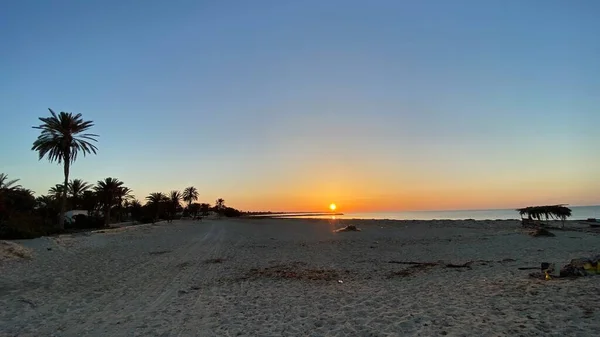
(231, 212)
(25, 226)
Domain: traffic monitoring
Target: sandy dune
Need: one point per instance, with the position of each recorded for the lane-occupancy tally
(281, 278)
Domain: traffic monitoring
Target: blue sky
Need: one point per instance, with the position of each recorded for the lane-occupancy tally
(293, 104)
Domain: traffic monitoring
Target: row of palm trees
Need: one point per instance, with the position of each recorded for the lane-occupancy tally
(108, 196)
(62, 138)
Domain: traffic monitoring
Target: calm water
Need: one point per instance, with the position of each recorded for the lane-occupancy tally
(579, 213)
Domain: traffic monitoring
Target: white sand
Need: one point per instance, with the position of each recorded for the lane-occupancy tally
(160, 281)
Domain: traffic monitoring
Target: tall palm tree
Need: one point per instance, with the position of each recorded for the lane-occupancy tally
(155, 200)
(190, 194)
(6, 184)
(61, 139)
(108, 190)
(76, 189)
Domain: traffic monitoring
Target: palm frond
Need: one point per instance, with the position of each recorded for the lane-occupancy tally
(6, 184)
(190, 194)
(62, 137)
(78, 186)
(157, 197)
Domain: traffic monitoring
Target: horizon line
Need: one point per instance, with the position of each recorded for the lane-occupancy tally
(421, 210)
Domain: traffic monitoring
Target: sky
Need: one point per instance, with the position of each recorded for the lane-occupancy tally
(291, 105)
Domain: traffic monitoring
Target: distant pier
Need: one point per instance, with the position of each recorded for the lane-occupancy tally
(292, 214)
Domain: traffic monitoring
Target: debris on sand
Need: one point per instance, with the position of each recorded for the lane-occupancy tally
(12, 251)
(159, 252)
(582, 267)
(418, 267)
(295, 270)
(413, 269)
(65, 241)
(217, 260)
(541, 232)
(349, 228)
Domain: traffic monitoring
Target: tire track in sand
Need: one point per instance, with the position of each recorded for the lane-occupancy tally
(159, 276)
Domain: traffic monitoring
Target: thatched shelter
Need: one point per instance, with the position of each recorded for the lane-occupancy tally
(552, 212)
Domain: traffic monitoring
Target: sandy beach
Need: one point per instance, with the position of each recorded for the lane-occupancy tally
(277, 277)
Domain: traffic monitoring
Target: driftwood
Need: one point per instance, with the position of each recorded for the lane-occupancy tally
(416, 267)
(349, 228)
(464, 265)
(428, 264)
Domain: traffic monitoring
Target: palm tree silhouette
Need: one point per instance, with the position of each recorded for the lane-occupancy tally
(155, 199)
(135, 208)
(123, 195)
(57, 191)
(175, 203)
(62, 137)
(190, 194)
(108, 190)
(89, 201)
(7, 185)
(75, 190)
(220, 204)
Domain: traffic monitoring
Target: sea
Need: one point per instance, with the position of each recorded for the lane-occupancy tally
(579, 213)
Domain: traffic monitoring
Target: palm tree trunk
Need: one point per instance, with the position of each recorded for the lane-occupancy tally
(63, 203)
(120, 211)
(107, 216)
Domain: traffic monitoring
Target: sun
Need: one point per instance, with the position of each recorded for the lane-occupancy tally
(332, 207)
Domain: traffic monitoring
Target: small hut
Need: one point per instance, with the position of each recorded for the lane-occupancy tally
(539, 213)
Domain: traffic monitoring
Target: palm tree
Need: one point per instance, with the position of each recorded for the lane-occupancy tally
(76, 189)
(56, 191)
(123, 196)
(14, 198)
(204, 208)
(61, 139)
(219, 205)
(135, 208)
(108, 190)
(44, 201)
(155, 199)
(6, 184)
(190, 194)
(175, 202)
(46, 206)
(89, 202)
